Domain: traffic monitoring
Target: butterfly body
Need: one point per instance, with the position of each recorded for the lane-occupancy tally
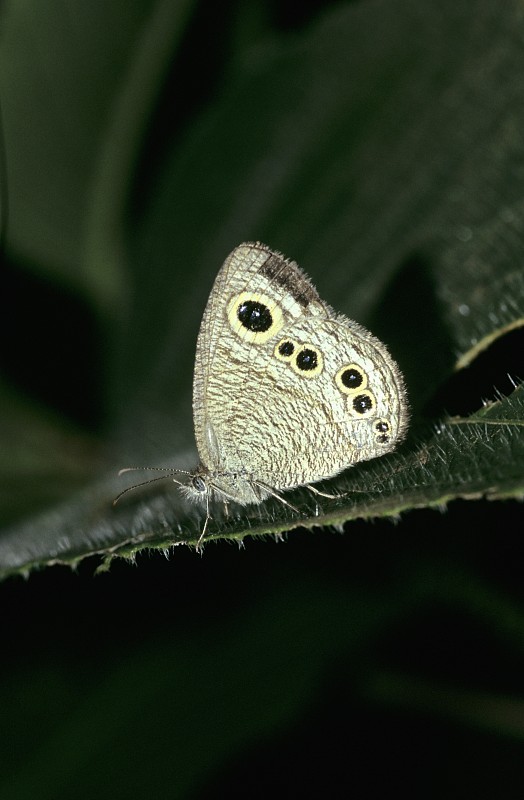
(286, 392)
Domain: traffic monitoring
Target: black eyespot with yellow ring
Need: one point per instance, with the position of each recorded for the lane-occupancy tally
(351, 378)
(285, 349)
(382, 430)
(308, 361)
(254, 317)
(363, 404)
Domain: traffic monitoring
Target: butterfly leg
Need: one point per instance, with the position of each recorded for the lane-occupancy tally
(276, 496)
(204, 529)
(325, 494)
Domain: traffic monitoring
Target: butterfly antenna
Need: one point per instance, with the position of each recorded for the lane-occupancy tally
(154, 469)
(144, 483)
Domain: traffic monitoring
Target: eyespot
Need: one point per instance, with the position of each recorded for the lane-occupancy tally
(363, 403)
(308, 361)
(285, 349)
(382, 428)
(382, 425)
(254, 317)
(351, 378)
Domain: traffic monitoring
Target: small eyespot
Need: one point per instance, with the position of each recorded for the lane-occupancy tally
(254, 317)
(308, 361)
(351, 378)
(285, 349)
(382, 428)
(363, 403)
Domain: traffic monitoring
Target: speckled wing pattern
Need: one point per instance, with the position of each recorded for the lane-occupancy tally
(286, 391)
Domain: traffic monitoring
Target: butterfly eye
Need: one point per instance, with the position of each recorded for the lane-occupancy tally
(254, 317)
(199, 483)
(351, 378)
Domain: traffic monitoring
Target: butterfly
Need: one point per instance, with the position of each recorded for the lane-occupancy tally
(286, 391)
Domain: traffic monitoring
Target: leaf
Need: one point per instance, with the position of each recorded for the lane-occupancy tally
(392, 174)
(480, 456)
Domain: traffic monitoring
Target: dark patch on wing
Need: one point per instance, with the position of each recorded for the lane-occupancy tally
(289, 275)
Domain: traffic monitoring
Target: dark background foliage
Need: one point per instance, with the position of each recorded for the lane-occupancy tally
(387, 656)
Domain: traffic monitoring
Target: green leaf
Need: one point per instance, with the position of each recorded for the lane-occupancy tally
(380, 148)
(479, 456)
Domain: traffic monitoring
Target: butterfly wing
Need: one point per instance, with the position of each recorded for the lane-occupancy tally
(285, 391)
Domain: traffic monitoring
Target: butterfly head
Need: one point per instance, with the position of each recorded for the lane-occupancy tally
(225, 486)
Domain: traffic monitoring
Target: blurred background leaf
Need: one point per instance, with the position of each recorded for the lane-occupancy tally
(379, 144)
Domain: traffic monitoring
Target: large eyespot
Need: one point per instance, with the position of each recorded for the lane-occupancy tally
(254, 317)
(285, 349)
(351, 378)
(308, 361)
(363, 404)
